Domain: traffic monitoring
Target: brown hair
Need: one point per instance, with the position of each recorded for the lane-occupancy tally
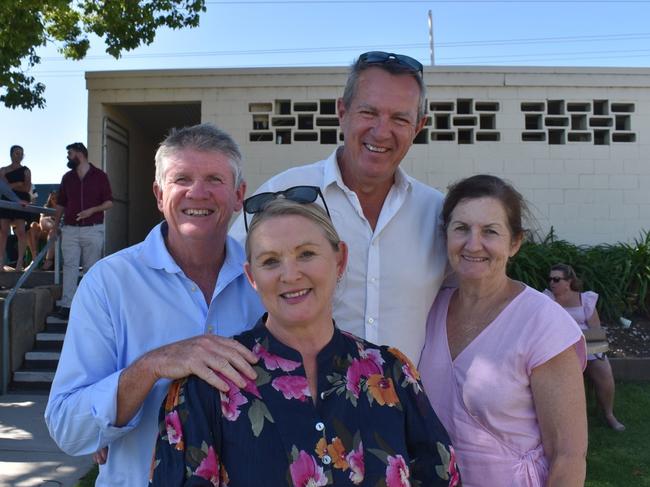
(567, 271)
(284, 207)
(486, 185)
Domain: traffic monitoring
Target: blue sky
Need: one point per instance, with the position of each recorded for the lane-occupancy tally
(331, 33)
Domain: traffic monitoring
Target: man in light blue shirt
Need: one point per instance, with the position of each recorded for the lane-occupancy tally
(157, 311)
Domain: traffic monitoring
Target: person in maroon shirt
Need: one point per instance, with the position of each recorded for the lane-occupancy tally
(84, 195)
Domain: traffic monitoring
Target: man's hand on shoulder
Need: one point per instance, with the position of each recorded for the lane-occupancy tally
(204, 356)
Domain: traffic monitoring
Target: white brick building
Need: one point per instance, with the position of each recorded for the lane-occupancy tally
(574, 141)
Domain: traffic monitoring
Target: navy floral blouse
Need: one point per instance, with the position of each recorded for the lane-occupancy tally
(371, 424)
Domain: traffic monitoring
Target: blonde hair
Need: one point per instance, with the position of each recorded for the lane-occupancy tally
(285, 207)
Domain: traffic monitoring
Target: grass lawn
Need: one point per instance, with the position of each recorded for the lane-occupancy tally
(618, 459)
(614, 459)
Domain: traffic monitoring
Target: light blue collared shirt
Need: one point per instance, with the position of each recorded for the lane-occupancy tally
(129, 303)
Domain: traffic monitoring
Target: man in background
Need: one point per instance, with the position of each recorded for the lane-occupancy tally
(84, 195)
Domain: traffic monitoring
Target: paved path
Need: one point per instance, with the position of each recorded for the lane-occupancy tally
(28, 456)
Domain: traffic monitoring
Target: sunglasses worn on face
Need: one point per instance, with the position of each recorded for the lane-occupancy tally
(300, 194)
(381, 57)
(556, 279)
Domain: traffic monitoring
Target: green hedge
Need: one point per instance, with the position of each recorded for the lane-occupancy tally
(619, 273)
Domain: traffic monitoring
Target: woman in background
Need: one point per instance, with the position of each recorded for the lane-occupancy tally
(19, 178)
(566, 290)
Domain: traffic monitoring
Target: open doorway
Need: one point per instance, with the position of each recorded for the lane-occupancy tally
(131, 134)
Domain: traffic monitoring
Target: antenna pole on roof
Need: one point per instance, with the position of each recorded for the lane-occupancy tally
(433, 59)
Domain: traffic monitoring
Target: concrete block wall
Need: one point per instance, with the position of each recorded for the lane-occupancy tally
(589, 193)
(29, 310)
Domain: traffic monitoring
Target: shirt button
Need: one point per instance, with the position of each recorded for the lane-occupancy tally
(371, 320)
(193, 288)
(373, 279)
(320, 426)
(327, 460)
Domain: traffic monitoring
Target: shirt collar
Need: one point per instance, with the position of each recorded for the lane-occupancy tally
(156, 255)
(332, 175)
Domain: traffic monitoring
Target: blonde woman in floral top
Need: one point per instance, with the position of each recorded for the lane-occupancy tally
(327, 408)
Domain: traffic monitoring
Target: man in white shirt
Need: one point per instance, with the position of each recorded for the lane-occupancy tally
(389, 220)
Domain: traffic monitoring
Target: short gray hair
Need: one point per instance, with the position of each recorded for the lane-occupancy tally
(205, 137)
(284, 207)
(396, 69)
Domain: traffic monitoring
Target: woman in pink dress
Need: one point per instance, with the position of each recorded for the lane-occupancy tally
(502, 364)
(566, 290)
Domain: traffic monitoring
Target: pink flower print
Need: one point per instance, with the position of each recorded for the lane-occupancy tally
(251, 388)
(454, 474)
(174, 430)
(272, 362)
(361, 369)
(292, 387)
(372, 354)
(209, 468)
(397, 472)
(411, 373)
(305, 472)
(231, 400)
(357, 467)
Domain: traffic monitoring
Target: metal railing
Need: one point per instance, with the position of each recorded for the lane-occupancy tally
(6, 362)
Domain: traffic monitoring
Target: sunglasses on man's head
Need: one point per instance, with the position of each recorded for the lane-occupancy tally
(556, 279)
(300, 194)
(381, 57)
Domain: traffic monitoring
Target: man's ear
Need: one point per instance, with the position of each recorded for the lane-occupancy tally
(240, 194)
(158, 193)
(420, 124)
(340, 108)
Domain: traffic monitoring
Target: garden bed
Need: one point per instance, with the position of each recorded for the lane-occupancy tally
(629, 342)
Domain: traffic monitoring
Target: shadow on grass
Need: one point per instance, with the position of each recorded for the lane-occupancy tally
(616, 459)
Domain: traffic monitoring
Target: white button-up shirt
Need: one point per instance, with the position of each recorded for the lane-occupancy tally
(395, 271)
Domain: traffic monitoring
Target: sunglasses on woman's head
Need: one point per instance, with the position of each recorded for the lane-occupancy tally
(556, 279)
(300, 194)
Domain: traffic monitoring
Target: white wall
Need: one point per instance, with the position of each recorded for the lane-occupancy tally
(590, 193)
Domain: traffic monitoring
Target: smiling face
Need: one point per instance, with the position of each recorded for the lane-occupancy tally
(198, 196)
(294, 268)
(479, 239)
(379, 126)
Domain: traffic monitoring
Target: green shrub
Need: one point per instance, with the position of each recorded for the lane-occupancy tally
(619, 273)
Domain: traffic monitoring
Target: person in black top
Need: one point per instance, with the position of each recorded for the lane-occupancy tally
(19, 178)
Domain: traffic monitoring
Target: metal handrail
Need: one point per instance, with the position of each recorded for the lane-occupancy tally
(6, 363)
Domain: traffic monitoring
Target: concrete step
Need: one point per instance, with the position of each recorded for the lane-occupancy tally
(34, 381)
(41, 360)
(34, 376)
(42, 355)
(49, 341)
(55, 320)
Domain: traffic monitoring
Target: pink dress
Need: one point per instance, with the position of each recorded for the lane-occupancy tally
(483, 397)
(582, 313)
